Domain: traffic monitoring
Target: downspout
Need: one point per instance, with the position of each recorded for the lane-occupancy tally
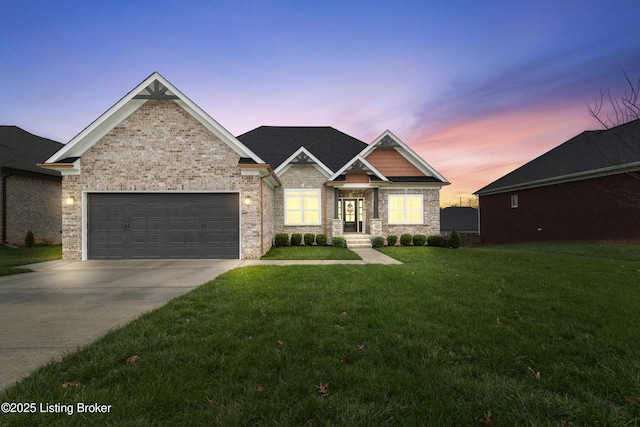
(4, 207)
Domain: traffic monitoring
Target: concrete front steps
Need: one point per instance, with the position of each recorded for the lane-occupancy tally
(357, 240)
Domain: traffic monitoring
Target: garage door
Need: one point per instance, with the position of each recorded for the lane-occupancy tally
(163, 225)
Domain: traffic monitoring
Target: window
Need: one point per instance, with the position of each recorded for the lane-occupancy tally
(514, 201)
(405, 209)
(301, 207)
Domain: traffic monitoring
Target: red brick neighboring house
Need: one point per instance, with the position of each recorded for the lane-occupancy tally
(587, 188)
(30, 197)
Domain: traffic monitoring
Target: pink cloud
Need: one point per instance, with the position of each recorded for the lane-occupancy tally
(474, 153)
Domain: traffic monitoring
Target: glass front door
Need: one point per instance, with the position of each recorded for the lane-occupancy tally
(352, 214)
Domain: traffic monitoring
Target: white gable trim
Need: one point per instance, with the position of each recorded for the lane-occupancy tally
(407, 153)
(284, 166)
(358, 158)
(128, 105)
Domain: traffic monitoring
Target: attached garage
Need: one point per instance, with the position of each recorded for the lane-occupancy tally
(163, 226)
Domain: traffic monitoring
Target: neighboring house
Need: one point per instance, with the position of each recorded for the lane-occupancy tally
(585, 189)
(463, 218)
(29, 195)
(156, 177)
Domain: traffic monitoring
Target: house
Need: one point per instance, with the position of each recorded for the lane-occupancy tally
(156, 177)
(30, 196)
(587, 188)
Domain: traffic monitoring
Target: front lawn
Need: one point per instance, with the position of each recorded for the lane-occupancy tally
(310, 252)
(12, 257)
(464, 337)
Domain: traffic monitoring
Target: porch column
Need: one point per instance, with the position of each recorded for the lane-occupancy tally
(336, 193)
(376, 214)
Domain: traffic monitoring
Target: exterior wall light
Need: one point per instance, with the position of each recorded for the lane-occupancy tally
(247, 200)
(70, 200)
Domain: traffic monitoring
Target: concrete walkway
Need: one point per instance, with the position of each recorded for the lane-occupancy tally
(63, 306)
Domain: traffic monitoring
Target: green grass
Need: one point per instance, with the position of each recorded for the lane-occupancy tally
(443, 339)
(310, 252)
(12, 257)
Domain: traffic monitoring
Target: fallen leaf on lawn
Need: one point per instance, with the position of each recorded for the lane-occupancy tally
(345, 359)
(279, 346)
(259, 388)
(361, 346)
(633, 399)
(130, 360)
(535, 374)
(498, 321)
(337, 326)
(68, 384)
(486, 421)
(323, 389)
(343, 314)
(263, 312)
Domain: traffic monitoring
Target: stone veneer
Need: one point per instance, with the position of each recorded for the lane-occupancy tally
(162, 148)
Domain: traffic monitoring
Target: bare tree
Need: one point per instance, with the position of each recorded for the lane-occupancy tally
(622, 109)
(618, 143)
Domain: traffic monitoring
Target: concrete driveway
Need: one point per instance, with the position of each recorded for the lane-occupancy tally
(63, 306)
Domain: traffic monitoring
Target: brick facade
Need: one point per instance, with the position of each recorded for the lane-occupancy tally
(33, 203)
(604, 208)
(431, 206)
(304, 176)
(162, 148)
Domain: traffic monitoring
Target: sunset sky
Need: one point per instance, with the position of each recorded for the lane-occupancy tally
(477, 88)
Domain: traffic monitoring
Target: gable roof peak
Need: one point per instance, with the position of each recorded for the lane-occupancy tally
(153, 87)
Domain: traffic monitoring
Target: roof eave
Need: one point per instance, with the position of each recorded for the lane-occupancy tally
(579, 176)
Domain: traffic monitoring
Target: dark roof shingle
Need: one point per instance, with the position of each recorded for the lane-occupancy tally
(274, 144)
(587, 152)
(22, 150)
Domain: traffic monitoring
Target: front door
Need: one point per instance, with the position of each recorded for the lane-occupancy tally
(350, 215)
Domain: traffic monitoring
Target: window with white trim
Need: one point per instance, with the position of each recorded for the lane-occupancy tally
(514, 201)
(406, 209)
(302, 207)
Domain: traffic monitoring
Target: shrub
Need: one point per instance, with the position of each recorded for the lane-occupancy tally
(454, 239)
(321, 239)
(296, 239)
(339, 242)
(419, 240)
(391, 240)
(435, 241)
(405, 239)
(29, 241)
(309, 238)
(282, 239)
(377, 242)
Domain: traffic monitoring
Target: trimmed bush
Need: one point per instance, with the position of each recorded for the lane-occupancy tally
(339, 242)
(282, 239)
(296, 239)
(405, 239)
(321, 239)
(435, 241)
(419, 240)
(454, 239)
(377, 242)
(309, 238)
(29, 241)
(391, 240)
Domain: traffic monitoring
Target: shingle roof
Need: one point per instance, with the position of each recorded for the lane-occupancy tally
(22, 150)
(584, 154)
(274, 144)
